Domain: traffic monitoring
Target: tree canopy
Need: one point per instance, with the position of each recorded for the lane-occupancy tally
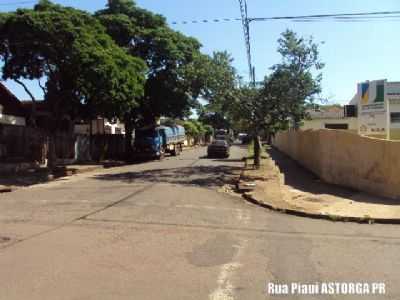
(283, 96)
(83, 69)
(71, 51)
(166, 52)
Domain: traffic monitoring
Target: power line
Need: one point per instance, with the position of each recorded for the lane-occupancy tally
(341, 17)
(349, 15)
(207, 21)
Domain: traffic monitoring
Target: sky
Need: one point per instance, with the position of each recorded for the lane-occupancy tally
(352, 52)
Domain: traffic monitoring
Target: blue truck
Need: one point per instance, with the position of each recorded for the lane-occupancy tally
(155, 142)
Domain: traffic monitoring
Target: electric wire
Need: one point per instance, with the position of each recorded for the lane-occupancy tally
(340, 17)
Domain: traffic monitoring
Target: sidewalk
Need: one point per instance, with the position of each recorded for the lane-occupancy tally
(10, 182)
(283, 185)
(15, 180)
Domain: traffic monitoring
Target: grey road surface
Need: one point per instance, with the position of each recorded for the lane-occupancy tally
(165, 230)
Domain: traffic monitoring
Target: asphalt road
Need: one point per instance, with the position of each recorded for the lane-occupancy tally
(166, 230)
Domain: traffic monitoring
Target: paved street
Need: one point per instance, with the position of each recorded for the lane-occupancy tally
(166, 230)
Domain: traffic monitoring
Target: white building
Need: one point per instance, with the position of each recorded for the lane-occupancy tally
(378, 105)
(330, 117)
(100, 126)
(374, 111)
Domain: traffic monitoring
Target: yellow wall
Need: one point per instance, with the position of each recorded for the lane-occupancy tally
(394, 134)
(344, 158)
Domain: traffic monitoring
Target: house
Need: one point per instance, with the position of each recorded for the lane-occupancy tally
(44, 116)
(62, 129)
(100, 126)
(11, 109)
(331, 117)
(12, 125)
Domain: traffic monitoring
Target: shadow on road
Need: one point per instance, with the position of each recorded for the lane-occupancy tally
(204, 176)
(43, 175)
(302, 179)
(234, 160)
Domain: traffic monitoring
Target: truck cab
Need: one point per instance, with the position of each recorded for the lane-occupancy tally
(148, 142)
(154, 142)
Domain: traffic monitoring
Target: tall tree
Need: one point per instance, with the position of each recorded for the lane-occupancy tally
(214, 79)
(282, 99)
(166, 53)
(80, 63)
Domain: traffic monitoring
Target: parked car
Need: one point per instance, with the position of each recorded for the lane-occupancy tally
(244, 138)
(218, 148)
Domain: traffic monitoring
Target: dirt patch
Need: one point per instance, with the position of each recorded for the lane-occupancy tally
(4, 239)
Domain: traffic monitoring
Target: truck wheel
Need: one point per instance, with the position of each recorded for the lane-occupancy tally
(175, 152)
(178, 150)
(162, 155)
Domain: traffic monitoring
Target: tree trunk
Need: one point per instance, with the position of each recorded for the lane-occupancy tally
(257, 151)
(90, 138)
(128, 140)
(51, 155)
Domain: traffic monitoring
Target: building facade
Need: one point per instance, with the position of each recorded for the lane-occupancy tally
(379, 109)
(331, 117)
(100, 126)
(11, 110)
(374, 111)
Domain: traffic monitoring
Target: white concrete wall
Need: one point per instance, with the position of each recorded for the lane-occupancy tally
(117, 128)
(97, 128)
(320, 123)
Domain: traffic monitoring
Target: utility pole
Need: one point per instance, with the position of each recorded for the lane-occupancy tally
(246, 31)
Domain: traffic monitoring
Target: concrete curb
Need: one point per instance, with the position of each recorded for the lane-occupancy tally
(334, 218)
(299, 213)
(71, 172)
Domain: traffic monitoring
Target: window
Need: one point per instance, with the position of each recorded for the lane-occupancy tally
(350, 111)
(395, 117)
(337, 126)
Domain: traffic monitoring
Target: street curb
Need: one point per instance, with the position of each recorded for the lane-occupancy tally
(4, 189)
(333, 218)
